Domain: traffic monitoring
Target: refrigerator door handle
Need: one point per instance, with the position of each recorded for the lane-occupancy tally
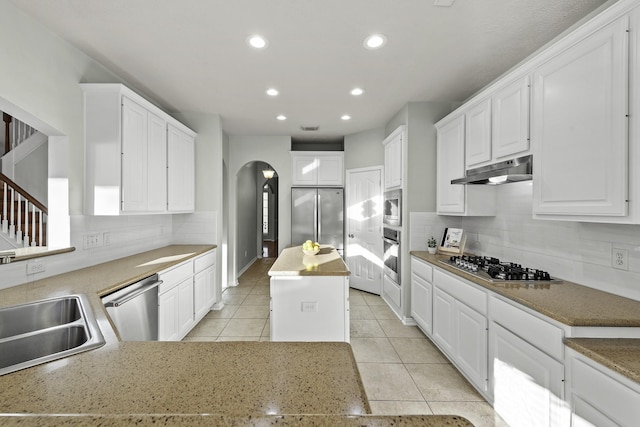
(315, 218)
(319, 219)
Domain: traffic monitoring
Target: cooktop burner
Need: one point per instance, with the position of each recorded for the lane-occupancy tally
(493, 270)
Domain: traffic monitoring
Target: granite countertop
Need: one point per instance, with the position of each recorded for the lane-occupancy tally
(621, 355)
(568, 303)
(186, 383)
(293, 262)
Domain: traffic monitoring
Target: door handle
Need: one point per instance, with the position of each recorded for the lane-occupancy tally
(351, 236)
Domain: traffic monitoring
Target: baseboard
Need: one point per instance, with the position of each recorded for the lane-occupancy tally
(246, 267)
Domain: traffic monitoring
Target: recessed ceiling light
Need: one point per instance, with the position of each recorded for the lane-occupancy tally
(356, 91)
(346, 117)
(375, 41)
(257, 41)
(281, 117)
(272, 91)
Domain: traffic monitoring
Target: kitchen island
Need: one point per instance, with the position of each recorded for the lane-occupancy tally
(309, 296)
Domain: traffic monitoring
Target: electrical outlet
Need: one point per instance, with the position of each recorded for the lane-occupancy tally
(620, 259)
(106, 238)
(35, 267)
(92, 240)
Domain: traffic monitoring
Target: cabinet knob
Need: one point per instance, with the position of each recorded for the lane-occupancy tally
(351, 236)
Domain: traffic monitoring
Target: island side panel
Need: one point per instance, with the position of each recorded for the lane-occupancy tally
(310, 308)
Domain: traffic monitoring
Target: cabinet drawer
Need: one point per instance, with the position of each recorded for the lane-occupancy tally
(172, 277)
(463, 292)
(532, 329)
(422, 269)
(604, 393)
(204, 261)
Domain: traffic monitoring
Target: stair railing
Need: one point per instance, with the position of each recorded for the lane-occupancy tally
(15, 132)
(27, 230)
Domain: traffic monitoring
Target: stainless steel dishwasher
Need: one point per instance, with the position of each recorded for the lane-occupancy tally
(134, 310)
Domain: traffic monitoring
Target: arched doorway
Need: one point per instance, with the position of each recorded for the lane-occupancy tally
(256, 213)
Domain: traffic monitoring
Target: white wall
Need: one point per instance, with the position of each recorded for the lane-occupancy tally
(246, 216)
(574, 251)
(364, 149)
(39, 84)
(273, 150)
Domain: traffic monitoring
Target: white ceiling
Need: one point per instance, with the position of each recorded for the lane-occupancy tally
(191, 55)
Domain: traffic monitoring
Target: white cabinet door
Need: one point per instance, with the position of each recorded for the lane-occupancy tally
(181, 173)
(185, 307)
(579, 127)
(421, 303)
(168, 323)
(391, 292)
(528, 385)
(330, 170)
(450, 165)
(471, 344)
(156, 164)
(478, 134)
(510, 119)
(305, 169)
(203, 292)
(393, 161)
(134, 157)
(443, 321)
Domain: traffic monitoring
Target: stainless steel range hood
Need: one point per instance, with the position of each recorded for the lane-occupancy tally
(513, 170)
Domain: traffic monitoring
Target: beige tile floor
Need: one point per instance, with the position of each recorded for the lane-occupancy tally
(402, 371)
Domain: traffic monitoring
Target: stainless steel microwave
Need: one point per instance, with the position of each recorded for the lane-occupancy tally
(392, 214)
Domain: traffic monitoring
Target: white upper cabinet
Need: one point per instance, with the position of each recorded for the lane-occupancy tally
(318, 168)
(126, 150)
(393, 158)
(478, 133)
(510, 120)
(456, 199)
(180, 171)
(579, 128)
(497, 126)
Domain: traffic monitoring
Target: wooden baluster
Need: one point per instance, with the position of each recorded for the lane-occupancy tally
(7, 139)
(25, 227)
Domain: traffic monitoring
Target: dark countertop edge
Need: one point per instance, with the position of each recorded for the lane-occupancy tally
(46, 253)
(579, 345)
(571, 322)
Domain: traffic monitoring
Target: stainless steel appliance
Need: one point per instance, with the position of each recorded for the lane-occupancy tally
(134, 310)
(318, 214)
(392, 214)
(495, 271)
(512, 170)
(391, 257)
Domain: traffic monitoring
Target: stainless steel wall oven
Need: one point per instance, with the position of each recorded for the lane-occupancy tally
(392, 254)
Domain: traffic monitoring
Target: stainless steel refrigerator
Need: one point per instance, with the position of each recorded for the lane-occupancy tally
(318, 214)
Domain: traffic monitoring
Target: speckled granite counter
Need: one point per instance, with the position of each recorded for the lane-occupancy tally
(231, 421)
(293, 262)
(619, 355)
(566, 302)
(184, 383)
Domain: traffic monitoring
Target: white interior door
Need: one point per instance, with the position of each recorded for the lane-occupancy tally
(364, 228)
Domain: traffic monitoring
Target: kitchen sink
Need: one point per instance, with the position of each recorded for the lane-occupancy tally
(42, 331)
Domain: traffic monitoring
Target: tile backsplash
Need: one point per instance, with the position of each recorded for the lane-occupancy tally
(575, 251)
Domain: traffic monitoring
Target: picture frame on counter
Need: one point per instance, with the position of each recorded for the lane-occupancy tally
(453, 241)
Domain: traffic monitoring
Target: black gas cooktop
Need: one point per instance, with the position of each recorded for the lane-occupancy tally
(495, 271)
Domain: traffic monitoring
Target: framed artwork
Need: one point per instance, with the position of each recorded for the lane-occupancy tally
(453, 241)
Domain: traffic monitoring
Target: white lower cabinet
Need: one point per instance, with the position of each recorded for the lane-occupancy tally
(422, 295)
(526, 369)
(391, 293)
(186, 295)
(460, 326)
(599, 396)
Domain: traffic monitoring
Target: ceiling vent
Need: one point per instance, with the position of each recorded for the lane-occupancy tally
(309, 128)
